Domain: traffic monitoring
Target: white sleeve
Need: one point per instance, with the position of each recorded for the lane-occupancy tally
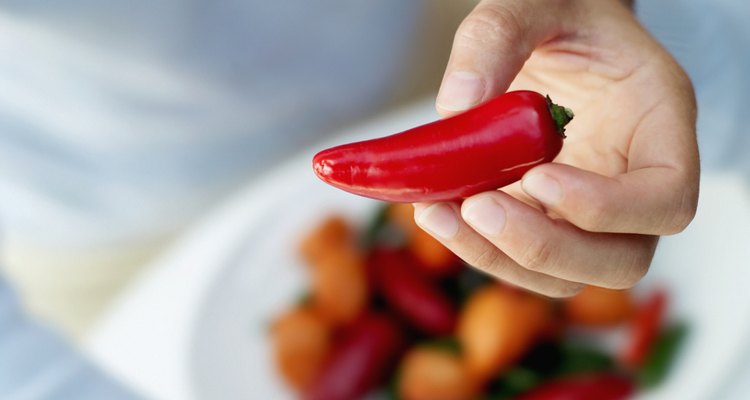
(37, 364)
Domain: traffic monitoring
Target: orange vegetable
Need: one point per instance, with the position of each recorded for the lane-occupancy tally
(331, 235)
(402, 215)
(497, 326)
(598, 307)
(429, 373)
(339, 286)
(301, 342)
(434, 259)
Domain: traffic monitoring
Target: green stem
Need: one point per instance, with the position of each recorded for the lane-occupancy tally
(561, 115)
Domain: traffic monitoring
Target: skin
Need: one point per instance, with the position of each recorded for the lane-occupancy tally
(628, 171)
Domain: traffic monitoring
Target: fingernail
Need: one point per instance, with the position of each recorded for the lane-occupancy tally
(439, 219)
(460, 91)
(543, 188)
(485, 214)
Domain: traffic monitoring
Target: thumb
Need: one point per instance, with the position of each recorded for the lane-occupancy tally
(490, 47)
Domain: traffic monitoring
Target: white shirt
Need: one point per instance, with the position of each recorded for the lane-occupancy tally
(125, 119)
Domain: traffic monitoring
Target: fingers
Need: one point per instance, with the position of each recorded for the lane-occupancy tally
(555, 247)
(652, 200)
(443, 221)
(490, 47)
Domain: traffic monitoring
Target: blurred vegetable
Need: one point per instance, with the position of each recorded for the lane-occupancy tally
(463, 285)
(340, 286)
(660, 360)
(413, 297)
(546, 361)
(447, 344)
(545, 358)
(341, 342)
(575, 359)
(402, 215)
(431, 373)
(301, 343)
(584, 387)
(377, 228)
(513, 382)
(497, 326)
(598, 307)
(644, 330)
(360, 361)
(433, 258)
(329, 236)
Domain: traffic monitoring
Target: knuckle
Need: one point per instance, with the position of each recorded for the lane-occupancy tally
(683, 213)
(596, 215)
(633, 273)
(486, 260)
(636, 273)
(488, 26)
(631, 265)
(679, 221)
(683, 83)
(538, 256)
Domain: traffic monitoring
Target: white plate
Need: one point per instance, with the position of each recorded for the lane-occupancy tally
(194, 327)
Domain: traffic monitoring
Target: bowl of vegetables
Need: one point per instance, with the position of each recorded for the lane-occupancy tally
(390, 312)
(347, 267)
(204, 322)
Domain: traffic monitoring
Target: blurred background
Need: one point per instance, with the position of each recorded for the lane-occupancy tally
(135, 138)
(122, 123)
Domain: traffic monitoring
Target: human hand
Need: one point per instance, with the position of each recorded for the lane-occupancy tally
(628, 170)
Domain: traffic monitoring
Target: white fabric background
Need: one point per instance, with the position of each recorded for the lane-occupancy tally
(123, 119)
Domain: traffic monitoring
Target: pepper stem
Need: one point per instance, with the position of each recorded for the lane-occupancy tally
(561, 115)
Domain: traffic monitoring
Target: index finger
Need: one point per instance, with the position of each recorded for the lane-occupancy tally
(654, 200)
(490, 47)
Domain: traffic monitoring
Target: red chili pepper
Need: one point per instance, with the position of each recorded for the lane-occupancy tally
(485, 148)
(605, 386)
(645, 329)
(410, 294)
(361, 360)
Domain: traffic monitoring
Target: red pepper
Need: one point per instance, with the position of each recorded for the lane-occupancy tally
(645, 329)
(360, 361)
(604, 386)
(415, 298)
(485, 148)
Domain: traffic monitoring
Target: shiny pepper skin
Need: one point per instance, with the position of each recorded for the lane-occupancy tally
(484, 148)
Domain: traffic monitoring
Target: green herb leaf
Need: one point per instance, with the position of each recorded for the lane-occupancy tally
(661, 358)
(513, 382)
(578, 359)
(449, 344)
